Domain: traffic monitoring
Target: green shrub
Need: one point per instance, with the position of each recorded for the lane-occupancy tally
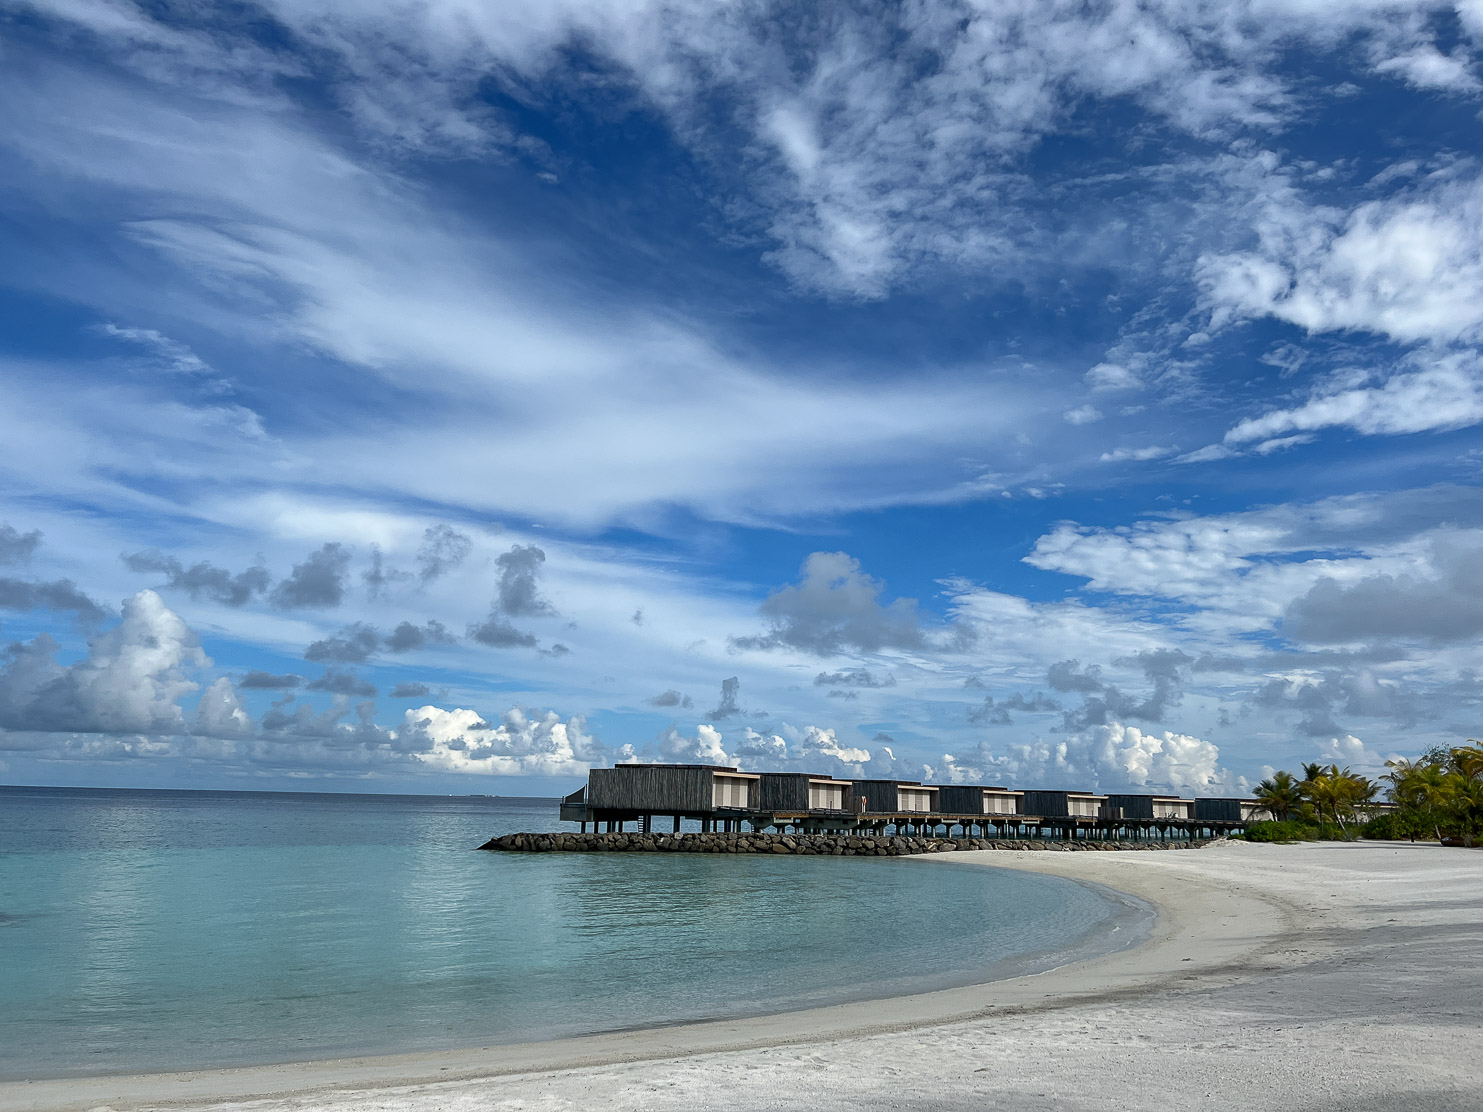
(1282, 832)
(1398, 826)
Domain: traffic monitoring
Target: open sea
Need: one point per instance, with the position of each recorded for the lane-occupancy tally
(159, 930)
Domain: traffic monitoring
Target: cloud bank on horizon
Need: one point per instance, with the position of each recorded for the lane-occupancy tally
(416, 395)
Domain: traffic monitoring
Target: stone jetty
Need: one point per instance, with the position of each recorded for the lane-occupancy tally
(815, 845)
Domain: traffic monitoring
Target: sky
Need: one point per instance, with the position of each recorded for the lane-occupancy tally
(452, 397)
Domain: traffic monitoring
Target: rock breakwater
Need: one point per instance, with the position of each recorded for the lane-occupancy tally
(818, 845)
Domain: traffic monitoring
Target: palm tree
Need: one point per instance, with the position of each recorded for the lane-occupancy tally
(1281, 795)
(1468, 760)
(1467, 804)
(1337, 790)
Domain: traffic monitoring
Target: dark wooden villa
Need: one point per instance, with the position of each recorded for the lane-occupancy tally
(1148, 807)
(720, 797)
(1063, 804)
(896, 797)
(797, 793)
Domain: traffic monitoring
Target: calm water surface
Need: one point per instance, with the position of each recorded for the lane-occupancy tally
(177, 930)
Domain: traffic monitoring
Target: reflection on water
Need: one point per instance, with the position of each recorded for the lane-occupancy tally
(175, 930)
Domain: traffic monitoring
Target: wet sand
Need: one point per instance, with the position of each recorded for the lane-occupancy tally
(1276, 977)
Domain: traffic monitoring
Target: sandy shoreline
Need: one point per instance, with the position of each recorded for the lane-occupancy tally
(1313, 976)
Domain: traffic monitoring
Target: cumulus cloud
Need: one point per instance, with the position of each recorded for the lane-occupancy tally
(1409, 266)
(131, 680)
(17, 547)
(319, 582)
(1103, 703)
(337, 681)
(60, 595)
(1108, 757)
(1319, 698)
(269, 681)
(835, 608)
(670, 698)
(518, 595)
(443, 548)
(1442, 604)
(286, 721)
(202, 580)
(1069, 675)
(519, 583)
(1349, 751)
(358, 642)
(220, 712)
(1112, 376)
(352, 645)
(764, 752)
(380, 575)
(727, 707)
(704, 748)
(821, 747)
(522, 743)
(406, 636)
(991, 713)
(1082, 415)
(496, 632)
(411, 691)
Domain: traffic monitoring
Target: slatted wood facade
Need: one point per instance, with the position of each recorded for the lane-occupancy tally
(1130, 806)
(1061, 805)
(1218, 810)
(957, 799)
(783, 791)
(687, 789)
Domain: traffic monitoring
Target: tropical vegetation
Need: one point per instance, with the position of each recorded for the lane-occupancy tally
(1437, 796)
(1440, 793)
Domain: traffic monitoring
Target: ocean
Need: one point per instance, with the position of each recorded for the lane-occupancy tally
(162, 930)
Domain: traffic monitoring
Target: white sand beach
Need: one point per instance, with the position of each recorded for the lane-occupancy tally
(1319, 976)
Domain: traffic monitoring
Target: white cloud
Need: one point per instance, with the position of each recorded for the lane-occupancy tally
(1107, 758)
(1112, 376)
(1082, 415)
(1141, 455)
(1446, 392)
(1409, 266)
(704, 748)
(867, 160)
(220, 712)
(1350, 752)
(131, 680)
(461, 741)
(820, 744)
(1426, 67)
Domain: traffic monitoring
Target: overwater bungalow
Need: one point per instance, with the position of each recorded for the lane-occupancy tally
(723, 798)
(896, 797)
(800, 793)
(1063, 804)
(1222, 810)
(1149, 807)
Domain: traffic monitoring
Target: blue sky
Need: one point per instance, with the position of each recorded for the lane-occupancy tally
(438, 397)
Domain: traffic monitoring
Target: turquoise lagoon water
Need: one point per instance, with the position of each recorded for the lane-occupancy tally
(178, 930)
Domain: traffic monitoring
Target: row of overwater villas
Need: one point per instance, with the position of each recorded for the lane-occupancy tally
(722, 797)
